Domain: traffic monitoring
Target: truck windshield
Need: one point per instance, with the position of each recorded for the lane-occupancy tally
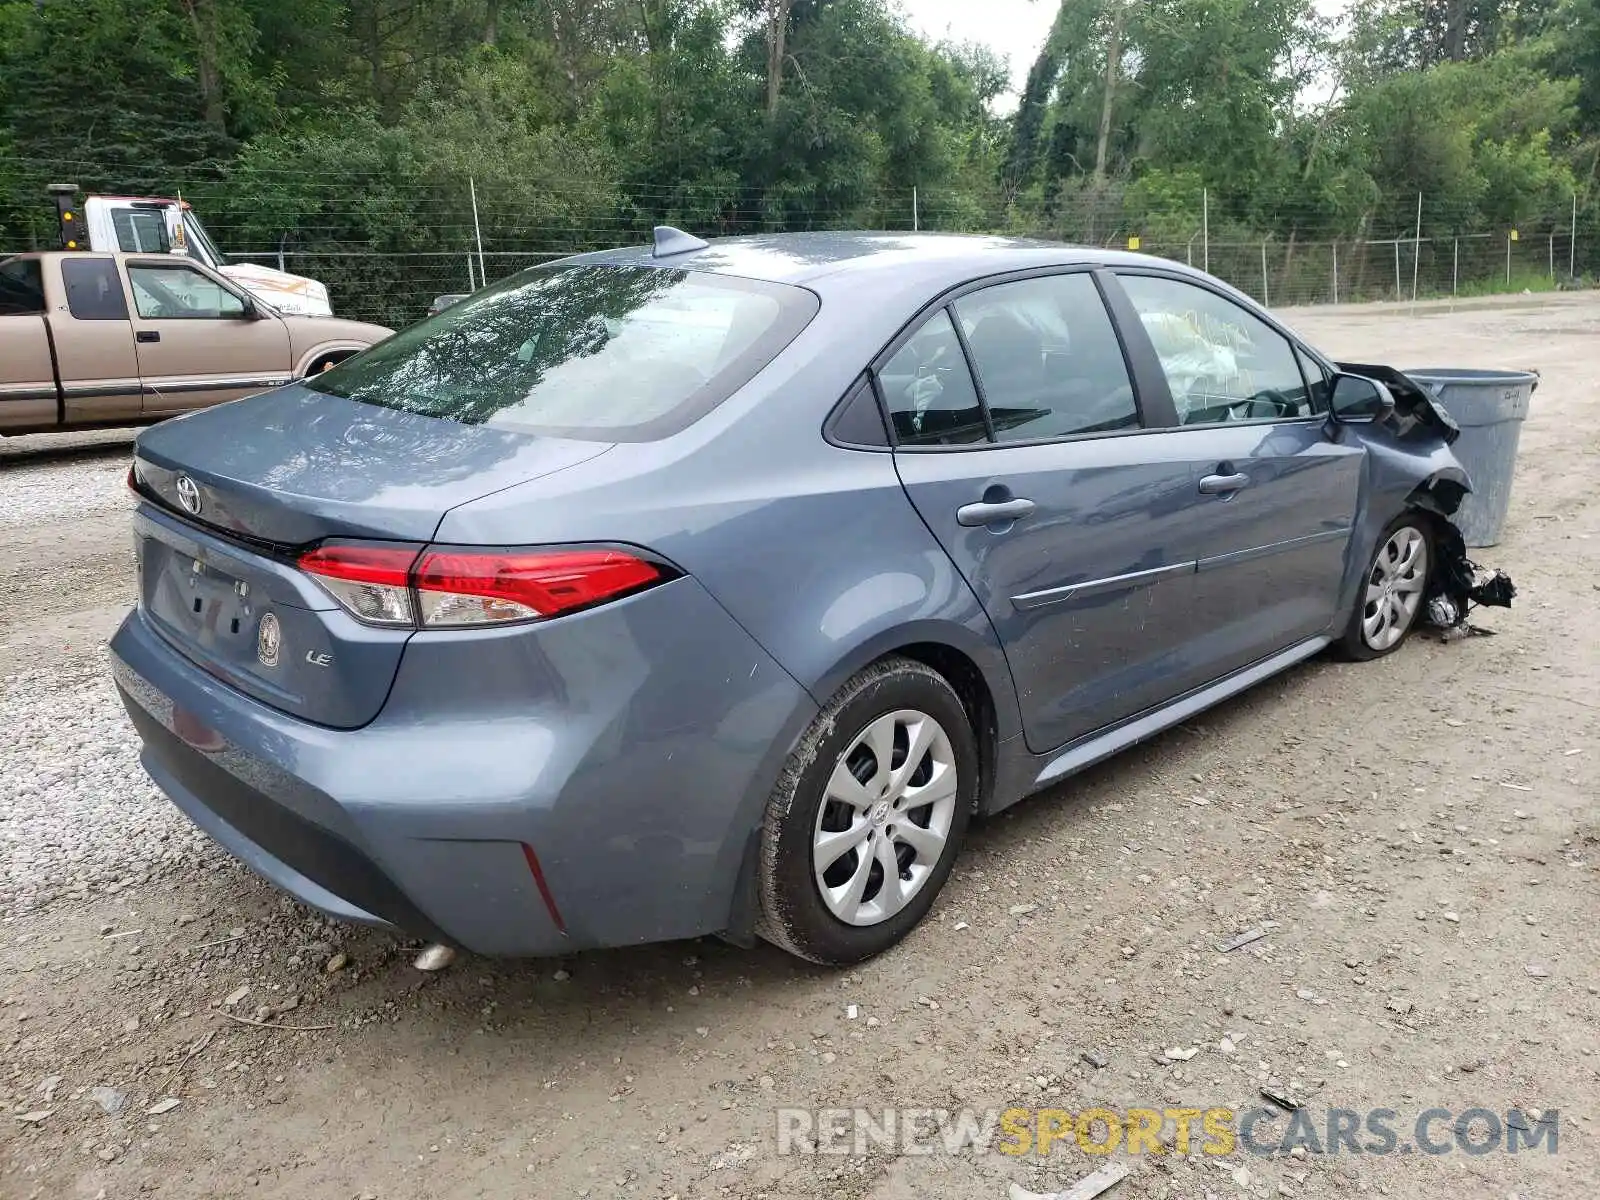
(614, 353)
(201, 247)
(141, 230)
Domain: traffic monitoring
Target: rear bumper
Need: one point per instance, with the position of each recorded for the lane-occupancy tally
(630, 748)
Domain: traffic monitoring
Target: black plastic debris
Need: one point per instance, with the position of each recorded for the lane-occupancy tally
(1459, 584)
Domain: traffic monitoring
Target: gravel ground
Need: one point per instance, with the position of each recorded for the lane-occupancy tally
(1416, 838)
(79, 813)
(43, 493)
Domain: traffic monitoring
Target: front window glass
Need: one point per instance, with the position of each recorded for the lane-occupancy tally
(1221, 362)
(1316, 381)
(617, 353)
(171, 293)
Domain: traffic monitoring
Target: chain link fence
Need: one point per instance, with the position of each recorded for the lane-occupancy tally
(386, 247)
(397, 288)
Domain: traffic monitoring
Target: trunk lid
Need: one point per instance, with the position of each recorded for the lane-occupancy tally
(239, 489)
(293, 466)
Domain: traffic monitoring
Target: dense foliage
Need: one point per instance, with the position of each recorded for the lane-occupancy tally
(337, 126)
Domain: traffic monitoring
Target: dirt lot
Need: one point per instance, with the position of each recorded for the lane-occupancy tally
(1422, 831)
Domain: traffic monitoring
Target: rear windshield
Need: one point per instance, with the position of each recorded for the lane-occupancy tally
(21, 287)
(611, 353)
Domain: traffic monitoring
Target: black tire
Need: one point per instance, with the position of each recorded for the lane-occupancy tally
(1354, 645)
(326, 361)
(792, 914)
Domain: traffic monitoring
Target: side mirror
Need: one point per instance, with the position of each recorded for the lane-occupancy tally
(251, 312)
(1357, 398)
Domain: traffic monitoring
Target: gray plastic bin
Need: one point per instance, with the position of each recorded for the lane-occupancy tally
(1490, 407)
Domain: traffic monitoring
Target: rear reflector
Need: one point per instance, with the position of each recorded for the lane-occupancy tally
(544, 888)
(460, 588)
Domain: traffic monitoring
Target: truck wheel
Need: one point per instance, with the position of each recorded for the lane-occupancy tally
(326, 361)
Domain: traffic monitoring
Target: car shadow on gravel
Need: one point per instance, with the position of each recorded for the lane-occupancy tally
(676, 988)
(53, 449)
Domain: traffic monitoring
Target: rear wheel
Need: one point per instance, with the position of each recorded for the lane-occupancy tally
(864, 825)
(1393, 591)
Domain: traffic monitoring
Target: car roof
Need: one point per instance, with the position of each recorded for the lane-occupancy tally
(837, 260)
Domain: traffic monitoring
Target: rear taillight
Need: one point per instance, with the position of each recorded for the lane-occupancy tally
(476, 587)
(372, 582)
(462, 587)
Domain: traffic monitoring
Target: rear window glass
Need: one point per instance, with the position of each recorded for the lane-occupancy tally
(94, 289)
(614, 353)
(21, 287)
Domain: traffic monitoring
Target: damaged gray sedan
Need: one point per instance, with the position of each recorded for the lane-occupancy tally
(713, 588)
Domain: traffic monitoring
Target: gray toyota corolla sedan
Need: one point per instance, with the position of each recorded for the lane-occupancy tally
(712, 588)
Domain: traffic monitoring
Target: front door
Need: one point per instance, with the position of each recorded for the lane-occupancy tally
(1075, 528)
(199, 342)
(1280, 495)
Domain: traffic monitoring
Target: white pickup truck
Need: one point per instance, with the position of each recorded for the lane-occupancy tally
(157, 225)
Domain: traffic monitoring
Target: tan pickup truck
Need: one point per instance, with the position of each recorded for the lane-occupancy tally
(91, 340)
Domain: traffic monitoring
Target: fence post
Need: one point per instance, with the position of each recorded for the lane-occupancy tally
(477, 231)
(1552, 256)
(1336, 270)
(1508, 260)
(1572, 246)
(916, 220)
(1455, 267)
(1398, 294)
(1266, 300)
(1205, 230)
(471, 286)
(1416, 250)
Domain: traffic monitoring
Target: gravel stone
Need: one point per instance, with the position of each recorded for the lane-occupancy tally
(77, 812)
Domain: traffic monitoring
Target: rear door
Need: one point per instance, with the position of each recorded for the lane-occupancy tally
(199, 341)
(1280, 494)
(1075, 527)
(94, 343)
(28, 396)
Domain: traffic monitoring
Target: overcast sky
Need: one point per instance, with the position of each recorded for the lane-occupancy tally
(1015, 28)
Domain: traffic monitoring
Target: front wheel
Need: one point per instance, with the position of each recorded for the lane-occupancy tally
(1393, 591)
(863, 828)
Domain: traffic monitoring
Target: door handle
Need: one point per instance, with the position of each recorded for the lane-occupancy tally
(993, 512)
(1223, 485)
(147, 335)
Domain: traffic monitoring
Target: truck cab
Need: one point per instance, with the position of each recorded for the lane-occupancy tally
(158, 225)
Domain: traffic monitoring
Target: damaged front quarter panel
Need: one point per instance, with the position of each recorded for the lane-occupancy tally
(1410, 465)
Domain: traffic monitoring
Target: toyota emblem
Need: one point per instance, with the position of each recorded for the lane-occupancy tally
(269, 640)
(188, 494)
